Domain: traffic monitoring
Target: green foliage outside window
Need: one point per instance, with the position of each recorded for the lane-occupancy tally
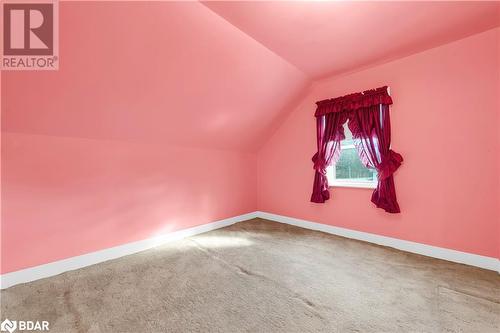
(349, 167)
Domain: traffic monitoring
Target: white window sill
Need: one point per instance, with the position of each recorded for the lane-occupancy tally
(353, 185)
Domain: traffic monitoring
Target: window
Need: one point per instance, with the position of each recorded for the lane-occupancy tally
(349, 171)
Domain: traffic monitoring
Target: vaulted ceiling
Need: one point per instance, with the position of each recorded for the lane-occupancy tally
(212, 75)
(163, 72)
(330, 37)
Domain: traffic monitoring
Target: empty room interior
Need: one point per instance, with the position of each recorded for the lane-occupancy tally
(250, 166)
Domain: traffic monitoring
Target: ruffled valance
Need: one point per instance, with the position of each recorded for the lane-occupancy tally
(354, 101)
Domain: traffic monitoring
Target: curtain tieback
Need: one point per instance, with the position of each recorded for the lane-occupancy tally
(389, 165)
(319, 163)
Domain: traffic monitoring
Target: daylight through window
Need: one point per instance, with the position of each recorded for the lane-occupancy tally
(349, 171)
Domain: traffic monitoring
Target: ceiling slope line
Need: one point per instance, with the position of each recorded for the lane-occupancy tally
(306, 76)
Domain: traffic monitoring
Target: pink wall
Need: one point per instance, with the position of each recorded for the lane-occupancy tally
(444, 123)
(92, 153)
(96, 154)
(498, 133)
(68, 196)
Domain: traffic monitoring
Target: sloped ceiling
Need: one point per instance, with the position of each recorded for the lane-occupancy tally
(212, 75)
(331, 37)
(163, 72)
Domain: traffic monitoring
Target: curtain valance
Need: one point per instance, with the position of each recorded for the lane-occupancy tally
(354, 101)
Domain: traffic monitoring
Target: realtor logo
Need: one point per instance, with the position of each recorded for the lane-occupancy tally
(30, 35)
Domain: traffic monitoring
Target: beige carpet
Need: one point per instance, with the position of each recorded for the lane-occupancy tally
(261, 276)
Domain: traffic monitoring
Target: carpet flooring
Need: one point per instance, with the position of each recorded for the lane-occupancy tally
(262, 276)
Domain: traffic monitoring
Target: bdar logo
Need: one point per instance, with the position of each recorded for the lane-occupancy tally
(30, 35)
(8, 325)
(24, 325)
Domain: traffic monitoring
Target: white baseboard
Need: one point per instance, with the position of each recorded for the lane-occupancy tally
(61, 266)
(419, 248)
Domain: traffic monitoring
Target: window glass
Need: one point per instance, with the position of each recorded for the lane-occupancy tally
(349, 171)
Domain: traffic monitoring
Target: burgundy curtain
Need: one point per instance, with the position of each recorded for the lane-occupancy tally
(369, 121)
(371, 130)
(330, 132)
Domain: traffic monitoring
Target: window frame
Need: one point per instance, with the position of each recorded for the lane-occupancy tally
(334, 182)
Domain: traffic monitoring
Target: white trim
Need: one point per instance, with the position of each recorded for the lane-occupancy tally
(419, 248)
(61, 266)
(69, 264)
(349, 183)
